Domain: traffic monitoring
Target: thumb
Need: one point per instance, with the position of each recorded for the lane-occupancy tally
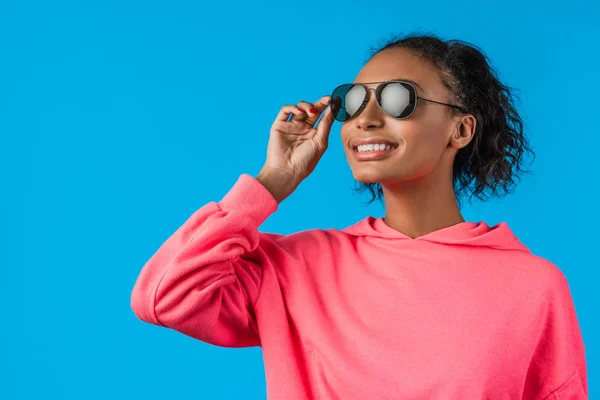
(324, 127)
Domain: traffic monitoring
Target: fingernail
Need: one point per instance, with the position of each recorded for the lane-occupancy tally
(299, 109)
(312, 110)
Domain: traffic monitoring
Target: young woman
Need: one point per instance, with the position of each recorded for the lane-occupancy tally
(419, 304)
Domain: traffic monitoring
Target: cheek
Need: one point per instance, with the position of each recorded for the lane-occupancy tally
(344, 134)
(422, 149)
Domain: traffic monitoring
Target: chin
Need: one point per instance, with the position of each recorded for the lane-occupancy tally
(372, 176)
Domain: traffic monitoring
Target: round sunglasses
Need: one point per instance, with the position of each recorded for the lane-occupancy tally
(397, 98)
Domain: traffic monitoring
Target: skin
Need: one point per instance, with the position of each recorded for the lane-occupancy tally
(417, 177)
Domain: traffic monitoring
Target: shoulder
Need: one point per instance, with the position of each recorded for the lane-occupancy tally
(534, 266)
(531, 279)
(549, 273)
(310, 241)
(545, 281)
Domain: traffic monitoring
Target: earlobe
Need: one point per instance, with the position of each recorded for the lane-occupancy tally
(459, 140)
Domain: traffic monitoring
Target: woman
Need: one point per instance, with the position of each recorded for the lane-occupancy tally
(420, 304)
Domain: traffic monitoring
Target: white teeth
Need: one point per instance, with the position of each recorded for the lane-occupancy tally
(375, 147)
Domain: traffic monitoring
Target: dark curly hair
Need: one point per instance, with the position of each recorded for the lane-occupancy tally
(491, 162)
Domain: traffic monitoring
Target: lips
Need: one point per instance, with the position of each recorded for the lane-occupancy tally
(373, 155)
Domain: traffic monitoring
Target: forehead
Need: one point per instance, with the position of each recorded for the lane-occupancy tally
(399, 63)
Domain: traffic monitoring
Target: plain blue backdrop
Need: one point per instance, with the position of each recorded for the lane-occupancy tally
(119, 119)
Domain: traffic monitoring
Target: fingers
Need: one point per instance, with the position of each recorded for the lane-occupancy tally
(311, 111)
(286, 110)
(304, 111)
(314, 110)
(309, 114)
(304, 107)
(324, 127)
(323, 102)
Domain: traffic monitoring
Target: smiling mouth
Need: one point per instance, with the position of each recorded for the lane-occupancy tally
(373, 152)
(372, 148)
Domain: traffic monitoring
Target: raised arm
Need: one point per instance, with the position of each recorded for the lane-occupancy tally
(205, 278)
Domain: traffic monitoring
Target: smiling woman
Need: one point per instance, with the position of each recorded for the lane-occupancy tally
(420, 304)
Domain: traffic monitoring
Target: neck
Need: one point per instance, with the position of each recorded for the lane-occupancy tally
(421, 206)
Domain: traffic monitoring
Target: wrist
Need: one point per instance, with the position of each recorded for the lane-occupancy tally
(280, 185)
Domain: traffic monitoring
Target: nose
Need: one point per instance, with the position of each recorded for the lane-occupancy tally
(371, 116)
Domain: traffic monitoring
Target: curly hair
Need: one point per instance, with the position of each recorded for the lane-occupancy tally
(490, 164)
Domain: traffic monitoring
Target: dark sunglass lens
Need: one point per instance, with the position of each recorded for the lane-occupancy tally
(397, 99)
(336, 106)
(347, 100)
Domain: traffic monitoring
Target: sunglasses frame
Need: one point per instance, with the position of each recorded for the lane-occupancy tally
(378, 90)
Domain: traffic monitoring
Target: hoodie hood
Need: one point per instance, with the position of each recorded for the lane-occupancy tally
(464, 233)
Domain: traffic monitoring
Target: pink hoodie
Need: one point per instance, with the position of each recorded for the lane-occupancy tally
(465, 312)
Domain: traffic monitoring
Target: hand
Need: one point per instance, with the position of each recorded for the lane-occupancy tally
(296, 146)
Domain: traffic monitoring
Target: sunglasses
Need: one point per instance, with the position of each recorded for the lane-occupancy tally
(397, 98)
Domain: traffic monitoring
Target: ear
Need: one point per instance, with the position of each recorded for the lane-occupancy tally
(464, 130)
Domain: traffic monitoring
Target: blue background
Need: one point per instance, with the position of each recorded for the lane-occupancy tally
(117, 123)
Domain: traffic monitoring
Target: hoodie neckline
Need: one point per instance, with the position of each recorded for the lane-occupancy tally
(461, 230)
(466, 233)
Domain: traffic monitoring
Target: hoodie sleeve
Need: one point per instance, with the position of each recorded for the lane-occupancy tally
(204, 280)
(558, 367)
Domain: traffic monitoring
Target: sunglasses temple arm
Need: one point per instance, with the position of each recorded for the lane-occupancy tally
(445, 104)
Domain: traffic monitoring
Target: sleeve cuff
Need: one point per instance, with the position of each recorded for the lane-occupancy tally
(250, 197)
